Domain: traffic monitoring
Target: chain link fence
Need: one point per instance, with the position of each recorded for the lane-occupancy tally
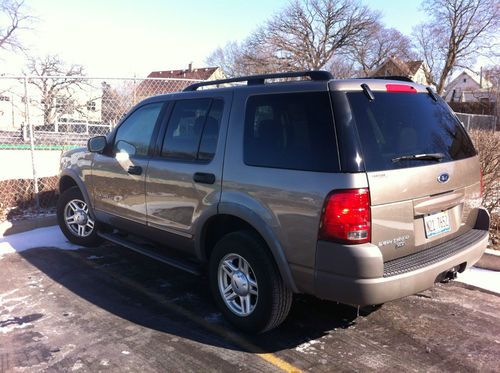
(43, 116)
(477, 121)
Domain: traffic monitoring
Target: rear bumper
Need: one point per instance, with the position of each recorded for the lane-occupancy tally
(421, 273)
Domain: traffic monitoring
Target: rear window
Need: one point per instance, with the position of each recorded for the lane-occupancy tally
(290, 131)
(406, 124)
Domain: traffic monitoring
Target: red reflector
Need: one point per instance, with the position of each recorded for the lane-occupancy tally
(400, 88)
(346, 216)
(481, 182)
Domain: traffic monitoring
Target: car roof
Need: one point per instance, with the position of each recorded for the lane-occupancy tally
(319, 81)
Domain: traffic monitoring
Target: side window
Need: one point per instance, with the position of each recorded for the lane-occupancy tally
(134, 135)
(193, 129)
(290, 131)
(210, 134)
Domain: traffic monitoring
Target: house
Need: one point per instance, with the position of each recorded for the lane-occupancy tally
(469, 87)
(393, 66)
(166, 81)
(73, 106)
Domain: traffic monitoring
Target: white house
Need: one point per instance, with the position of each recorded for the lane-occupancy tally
(76, 105)
(469, 87)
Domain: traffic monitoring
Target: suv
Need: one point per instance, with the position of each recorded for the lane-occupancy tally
(359, 191)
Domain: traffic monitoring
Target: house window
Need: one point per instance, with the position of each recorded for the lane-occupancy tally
(4, 98)
(465, 80)
(64, 105)
(91, 106)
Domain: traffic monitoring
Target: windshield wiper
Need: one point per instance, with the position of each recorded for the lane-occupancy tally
(420, 157)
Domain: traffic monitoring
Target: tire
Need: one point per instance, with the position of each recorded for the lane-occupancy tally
(74, 220)
(262, 311)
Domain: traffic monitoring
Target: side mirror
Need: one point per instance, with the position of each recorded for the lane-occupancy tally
(97, 144)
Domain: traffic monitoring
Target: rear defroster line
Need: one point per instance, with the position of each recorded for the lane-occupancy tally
(171, 306)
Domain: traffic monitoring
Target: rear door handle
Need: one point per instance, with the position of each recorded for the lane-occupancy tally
(135, 170)
(204, 178)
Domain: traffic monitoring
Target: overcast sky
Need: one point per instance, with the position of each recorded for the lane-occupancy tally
(122, 38)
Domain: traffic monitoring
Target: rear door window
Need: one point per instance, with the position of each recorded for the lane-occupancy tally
(193, 129)
(290, 131)
(395, 125)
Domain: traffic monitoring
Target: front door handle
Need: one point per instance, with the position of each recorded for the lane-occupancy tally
(204, 178)
(135, 170)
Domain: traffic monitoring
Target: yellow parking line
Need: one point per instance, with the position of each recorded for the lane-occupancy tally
(279, 363)
(226, 334)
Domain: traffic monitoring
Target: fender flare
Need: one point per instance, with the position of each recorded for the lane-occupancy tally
(81, 185)
(265, 231)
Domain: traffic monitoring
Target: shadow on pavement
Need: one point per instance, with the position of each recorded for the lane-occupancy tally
(158, 297)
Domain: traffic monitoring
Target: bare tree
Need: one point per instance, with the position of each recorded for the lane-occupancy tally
(377, 44)
(342, 67)
(304, 35)
(458, 31)
(229, 58)
(56, 85)
(116, 101)
(13, 20)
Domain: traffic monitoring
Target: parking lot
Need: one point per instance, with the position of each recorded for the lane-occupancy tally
(106, 308)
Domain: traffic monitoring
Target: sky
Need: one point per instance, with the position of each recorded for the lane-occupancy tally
(125, 38)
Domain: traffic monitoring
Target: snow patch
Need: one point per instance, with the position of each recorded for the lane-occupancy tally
(482, 278)
(41, 237)
(307, 347)
(9, 328)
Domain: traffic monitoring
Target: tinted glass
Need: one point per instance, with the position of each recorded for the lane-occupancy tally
(210, 133)
(185, 128)
(134, 134)
(399, 124)
(291, 131)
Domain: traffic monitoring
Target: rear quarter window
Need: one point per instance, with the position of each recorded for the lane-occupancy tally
(290, 131)
(399, 124)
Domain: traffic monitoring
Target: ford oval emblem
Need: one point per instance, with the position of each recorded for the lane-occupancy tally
(444, 177)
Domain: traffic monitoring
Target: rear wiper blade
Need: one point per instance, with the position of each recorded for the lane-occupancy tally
(420, 157)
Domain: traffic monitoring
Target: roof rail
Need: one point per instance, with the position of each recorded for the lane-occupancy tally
(260, 79)
(391, 77)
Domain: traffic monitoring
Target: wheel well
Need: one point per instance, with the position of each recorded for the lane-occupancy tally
(65, 183)
(219, 226)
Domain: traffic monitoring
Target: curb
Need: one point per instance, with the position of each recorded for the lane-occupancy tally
(490, 260)
(19, 226)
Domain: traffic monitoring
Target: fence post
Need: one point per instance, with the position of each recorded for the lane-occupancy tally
(32, 141)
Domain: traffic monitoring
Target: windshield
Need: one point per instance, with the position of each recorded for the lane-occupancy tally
(399, 130)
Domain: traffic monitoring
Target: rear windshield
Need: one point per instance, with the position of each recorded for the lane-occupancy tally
(406, 124)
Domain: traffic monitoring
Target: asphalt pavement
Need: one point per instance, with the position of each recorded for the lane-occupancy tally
(109, 309)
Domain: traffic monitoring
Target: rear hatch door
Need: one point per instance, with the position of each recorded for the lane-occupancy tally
(422, 168)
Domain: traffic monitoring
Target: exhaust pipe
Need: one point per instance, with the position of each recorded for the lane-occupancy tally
(450, 275)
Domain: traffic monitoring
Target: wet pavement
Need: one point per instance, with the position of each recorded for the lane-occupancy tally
(109, 309)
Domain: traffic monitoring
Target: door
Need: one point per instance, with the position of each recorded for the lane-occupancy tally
(185, 175)
(422, 170)
(119, 174)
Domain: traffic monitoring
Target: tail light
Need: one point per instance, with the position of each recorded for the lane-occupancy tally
(481, 182)
(346, 216)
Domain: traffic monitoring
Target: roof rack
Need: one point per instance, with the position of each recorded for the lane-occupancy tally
(260, 79)
(391, 77)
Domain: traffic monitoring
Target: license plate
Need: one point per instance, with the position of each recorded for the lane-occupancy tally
(436, 224)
